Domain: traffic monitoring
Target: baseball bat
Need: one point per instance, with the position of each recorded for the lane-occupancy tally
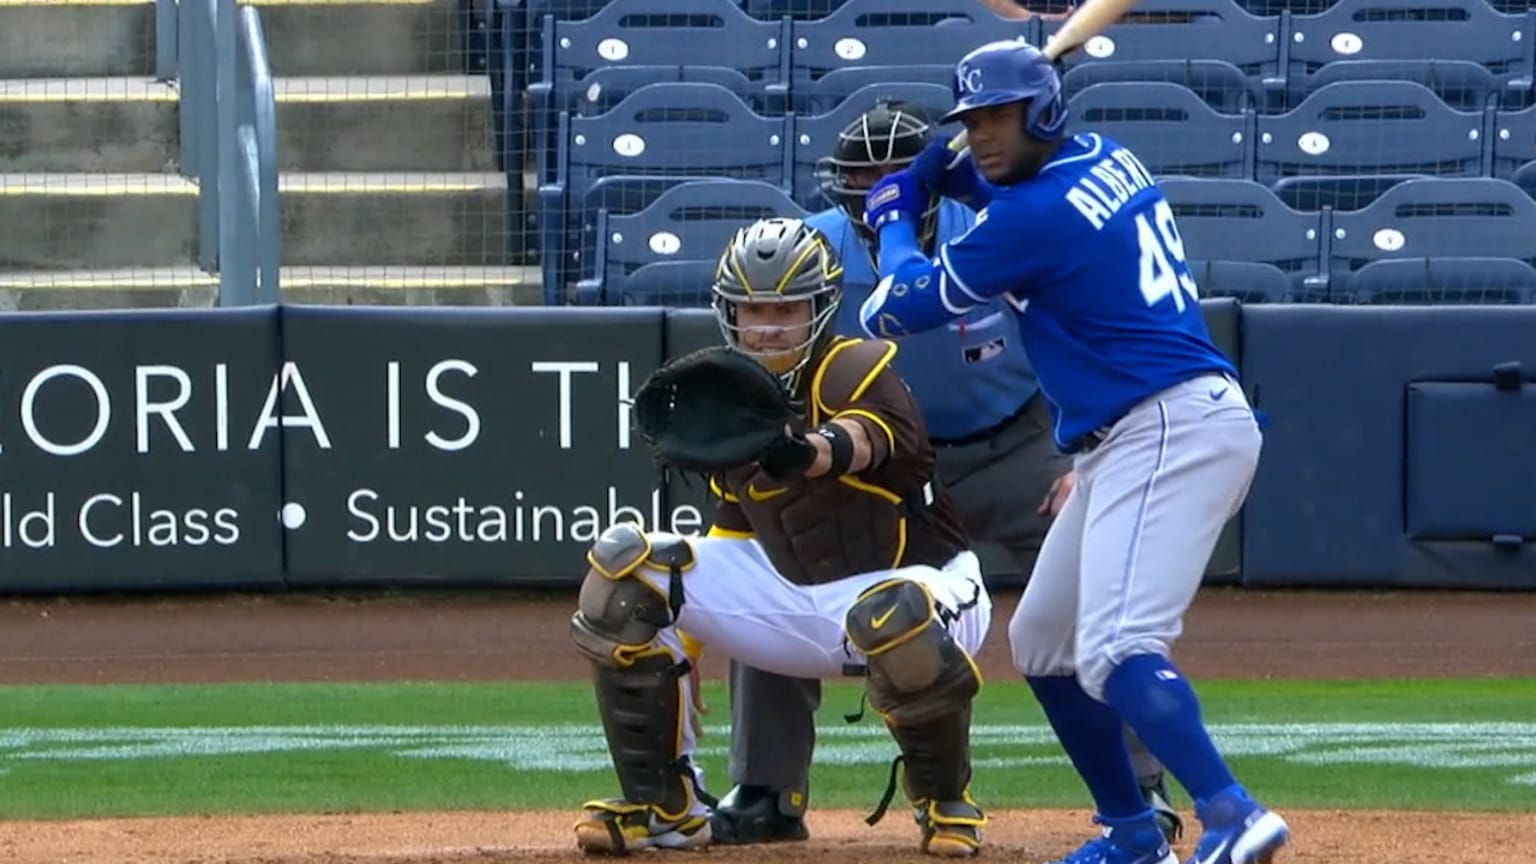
(1088, 21)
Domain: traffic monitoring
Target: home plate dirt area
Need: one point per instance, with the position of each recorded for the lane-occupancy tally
(519, 635)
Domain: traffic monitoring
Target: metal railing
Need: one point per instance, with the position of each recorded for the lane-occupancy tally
(229, 143)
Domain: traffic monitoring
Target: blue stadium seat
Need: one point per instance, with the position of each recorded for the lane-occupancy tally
(1413, 30)
(896, 33)
(1514, 142)
(1475, 217)
(1443, 282)
(689, 221)
(829, 91)
(679, 284)
(1240, 220)
(661, 135)
(1245, 281)
(1336, 191)
(1461, 84)
(1187, 29)
(814, 136)
(655, 33)
(1218, 83)
(1372, 127)
(799, 10)
(1168, 127)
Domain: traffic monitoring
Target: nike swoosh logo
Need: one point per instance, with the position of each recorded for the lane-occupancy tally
(879, 620)
(758, 495)
(1216, 397)
(1217, 852)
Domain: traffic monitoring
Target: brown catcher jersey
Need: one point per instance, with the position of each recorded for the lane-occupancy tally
(821, 529)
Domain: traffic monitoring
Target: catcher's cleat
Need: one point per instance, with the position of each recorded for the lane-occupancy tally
(759, 814)
(1156, 796)
(951, 829)
(616, 827)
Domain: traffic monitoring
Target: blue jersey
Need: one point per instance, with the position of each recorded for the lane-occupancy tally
(1088, 254)
(967, 376)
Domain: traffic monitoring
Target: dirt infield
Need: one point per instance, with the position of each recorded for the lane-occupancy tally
(516, 636)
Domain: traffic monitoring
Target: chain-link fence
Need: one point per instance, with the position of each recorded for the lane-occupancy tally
(582, 151)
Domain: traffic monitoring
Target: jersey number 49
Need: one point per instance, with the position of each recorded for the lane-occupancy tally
(1164, 272)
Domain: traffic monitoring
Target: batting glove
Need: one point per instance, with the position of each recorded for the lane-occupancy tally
(946, 172)
(896, 196)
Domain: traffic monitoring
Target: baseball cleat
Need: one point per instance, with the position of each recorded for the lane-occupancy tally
(759, 814)
(1238, 830)
(951, 829)
(618, 827)
(1140, 842)
(1156, 796)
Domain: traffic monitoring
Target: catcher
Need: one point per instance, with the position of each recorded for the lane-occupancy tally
(832, 552)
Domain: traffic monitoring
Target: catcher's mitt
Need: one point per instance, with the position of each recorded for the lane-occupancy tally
(711, 410)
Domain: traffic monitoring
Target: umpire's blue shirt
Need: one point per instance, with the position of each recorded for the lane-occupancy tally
(967, 376)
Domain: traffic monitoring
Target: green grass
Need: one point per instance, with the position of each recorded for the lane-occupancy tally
(71, 751)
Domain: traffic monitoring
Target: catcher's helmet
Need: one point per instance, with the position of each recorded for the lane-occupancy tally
(779, 260)
(879, 141)
(1012, 70)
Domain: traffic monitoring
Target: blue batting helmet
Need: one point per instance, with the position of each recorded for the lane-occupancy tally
(1011, 71)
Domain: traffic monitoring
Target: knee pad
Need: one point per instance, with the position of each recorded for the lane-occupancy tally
(917, 671)
(618, 614)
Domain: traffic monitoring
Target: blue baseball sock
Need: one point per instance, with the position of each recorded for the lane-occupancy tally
(1092, 734)
(1156, 700)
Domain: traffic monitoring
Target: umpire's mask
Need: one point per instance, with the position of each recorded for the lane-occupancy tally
(774, 263)
(884, 139)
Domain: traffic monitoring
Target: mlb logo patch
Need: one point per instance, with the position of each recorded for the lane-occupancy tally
(981, 353)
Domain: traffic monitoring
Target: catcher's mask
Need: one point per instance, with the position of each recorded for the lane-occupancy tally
(884, 139)
(778, 261)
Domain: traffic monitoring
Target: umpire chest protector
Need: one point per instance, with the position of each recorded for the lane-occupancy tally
(822, 529)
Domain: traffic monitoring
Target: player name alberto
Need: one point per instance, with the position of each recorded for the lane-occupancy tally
(1108, 185)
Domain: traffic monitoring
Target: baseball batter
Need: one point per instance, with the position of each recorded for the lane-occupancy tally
(1075, 234)
(835, 551)
(991, 432)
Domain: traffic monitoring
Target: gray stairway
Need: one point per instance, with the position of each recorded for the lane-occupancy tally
(390, 190)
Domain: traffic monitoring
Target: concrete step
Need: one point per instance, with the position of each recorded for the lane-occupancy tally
(377, 219)
(361, 37)
(73, 221)
(172, 287)
(88, 124)
(66, 38)
(417, 123)
(394, 123)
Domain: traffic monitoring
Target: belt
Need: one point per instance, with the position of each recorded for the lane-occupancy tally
(1088, 442)
(986, 434)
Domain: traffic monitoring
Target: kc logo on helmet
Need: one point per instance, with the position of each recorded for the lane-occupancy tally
(969, 79)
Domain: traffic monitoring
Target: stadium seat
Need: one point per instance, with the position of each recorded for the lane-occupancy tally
(1168, 127)
(689, 221)
(1176, 30)
(1413, 30)
(1218, 83)
(1336, 191)
(1461, 84)
(896, 33)
(679, 284)
(829, 91)
(661, 135)
(1240, 220)
(1443, 281)
(798, 10)
(1372, 127)
(1475, 217)
(1245, 281)
(1514, 142)
(713, 34)
(815, 136)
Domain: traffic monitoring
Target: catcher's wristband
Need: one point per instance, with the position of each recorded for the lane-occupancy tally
(841, 444)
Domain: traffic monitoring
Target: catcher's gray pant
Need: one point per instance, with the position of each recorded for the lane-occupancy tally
(997, 485)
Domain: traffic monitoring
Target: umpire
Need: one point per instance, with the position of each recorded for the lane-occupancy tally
(991, 444)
